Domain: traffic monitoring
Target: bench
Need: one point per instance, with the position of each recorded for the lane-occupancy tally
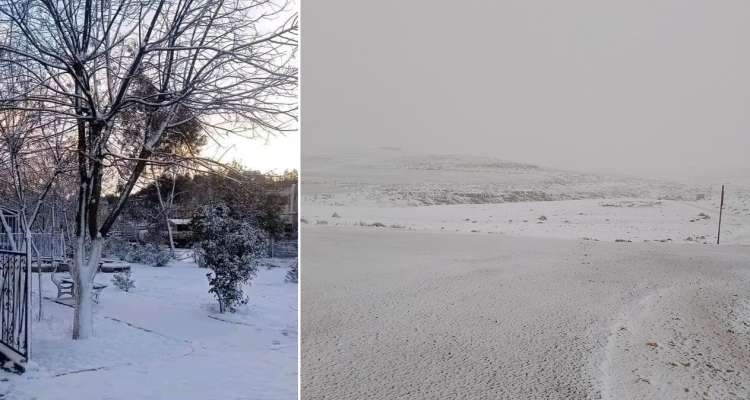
(98, 287)
(66, 286)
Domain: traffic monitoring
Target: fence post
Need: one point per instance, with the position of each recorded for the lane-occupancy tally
(721, 207)
(29, 284)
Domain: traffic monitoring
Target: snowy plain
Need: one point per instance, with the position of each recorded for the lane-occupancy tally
(478, 195)
(166, 340)
(456, 277)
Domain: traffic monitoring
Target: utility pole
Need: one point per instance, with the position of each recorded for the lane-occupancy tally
(721, 207)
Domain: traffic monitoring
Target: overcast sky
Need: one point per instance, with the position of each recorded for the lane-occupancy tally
(623, 86)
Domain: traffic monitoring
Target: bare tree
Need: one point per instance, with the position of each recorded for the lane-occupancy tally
(166, 203)
(130, 75)
(32, 157)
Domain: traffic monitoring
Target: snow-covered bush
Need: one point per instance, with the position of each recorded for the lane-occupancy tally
(160, 258)
(123, 281)
(137, 253)
(149, 254)
(231, 248)
(293, 275)
(116, 248)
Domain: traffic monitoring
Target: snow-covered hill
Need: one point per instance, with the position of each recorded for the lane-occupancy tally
(395, 178)
(396, 190)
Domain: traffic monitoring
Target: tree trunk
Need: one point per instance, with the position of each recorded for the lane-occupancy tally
(165, 210)
(83, 277)
(171, 238)
(30, 242)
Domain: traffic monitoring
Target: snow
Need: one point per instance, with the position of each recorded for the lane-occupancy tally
(411, 179)
(695, 338)
(602, 219)
(403, 314)
(165, 339)
(483, 195)
(459, 277)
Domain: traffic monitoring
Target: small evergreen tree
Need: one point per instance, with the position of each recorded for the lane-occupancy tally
(122, 281)
(230, 248)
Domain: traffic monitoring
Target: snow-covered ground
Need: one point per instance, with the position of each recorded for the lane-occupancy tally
(599, 219)
(391, 314)
(166, 340)
(395, 178)
(459, 277)
(480, 195)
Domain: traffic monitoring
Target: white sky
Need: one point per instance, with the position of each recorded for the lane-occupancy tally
(645, 86)
(275, 154)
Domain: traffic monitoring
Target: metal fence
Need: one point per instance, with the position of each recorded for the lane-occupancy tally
(45, 245)
(14, 302)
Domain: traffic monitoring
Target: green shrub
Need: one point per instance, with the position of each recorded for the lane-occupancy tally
(231, 249)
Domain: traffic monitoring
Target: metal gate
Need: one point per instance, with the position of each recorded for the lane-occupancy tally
(14, 305)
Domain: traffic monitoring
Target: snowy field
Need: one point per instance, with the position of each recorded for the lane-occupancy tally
(596, 219)
(457, 277)
(459, 194)
(402, 315)
(395, 178)
(166, 340)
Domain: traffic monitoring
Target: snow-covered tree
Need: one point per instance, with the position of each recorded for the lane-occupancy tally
(128, 76)
(231, 249)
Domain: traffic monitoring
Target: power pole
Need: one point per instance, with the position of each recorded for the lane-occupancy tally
(721, 207)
